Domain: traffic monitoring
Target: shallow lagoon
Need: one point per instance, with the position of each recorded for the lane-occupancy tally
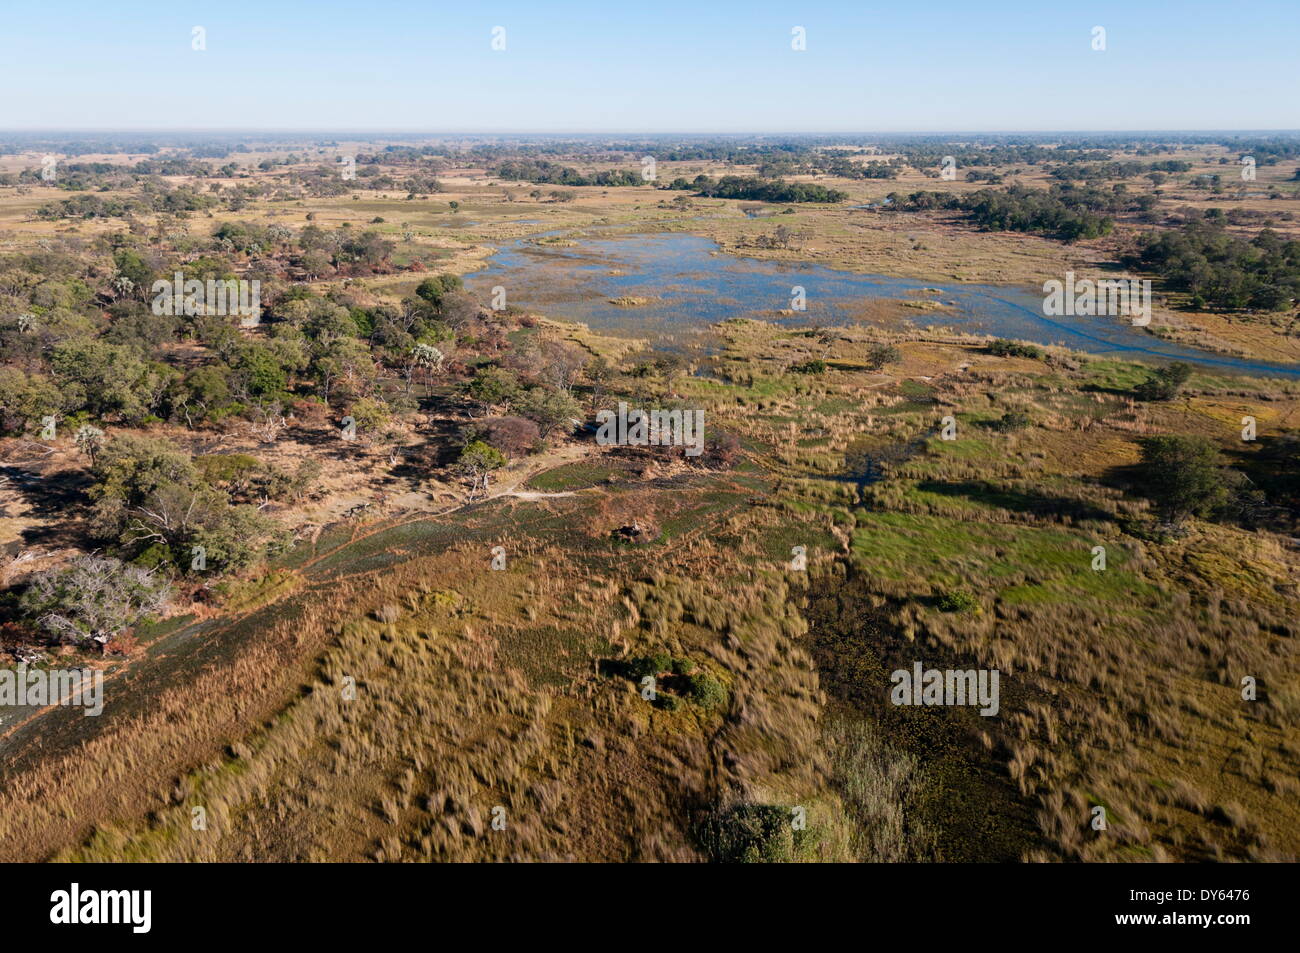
(692, 285)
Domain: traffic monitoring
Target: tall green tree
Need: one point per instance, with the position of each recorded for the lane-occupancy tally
(1184, 475)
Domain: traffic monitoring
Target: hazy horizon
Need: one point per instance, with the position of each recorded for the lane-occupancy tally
(372, 133)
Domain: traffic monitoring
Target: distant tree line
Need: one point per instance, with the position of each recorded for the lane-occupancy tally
(838, 163)
(1063, 211)
(542, 172)
(931, 153)
(1099, 171)
(103, 176)
(1265, 151)
(759, 190)
(182, 199)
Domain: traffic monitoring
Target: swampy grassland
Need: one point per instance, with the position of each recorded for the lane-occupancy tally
(431, 600)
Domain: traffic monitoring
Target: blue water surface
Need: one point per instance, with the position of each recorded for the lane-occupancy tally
(693, 285)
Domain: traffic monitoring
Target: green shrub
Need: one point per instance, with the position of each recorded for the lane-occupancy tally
(217, 468)
(705, 691)
(667, 702)
(749, 834)
(1005, 348)
(957, 600)
(653, 664)
(881, 354)
(815, 366)
(639, 667)
(1165, 383)
(1011, 421)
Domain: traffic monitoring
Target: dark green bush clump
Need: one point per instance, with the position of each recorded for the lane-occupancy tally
(1004, 348)
(815, 366)
(705, 691)
(1165, 383)
(750, 834)
(1012, 421)
(957, 600)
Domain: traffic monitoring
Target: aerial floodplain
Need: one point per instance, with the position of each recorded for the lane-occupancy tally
(570, 434)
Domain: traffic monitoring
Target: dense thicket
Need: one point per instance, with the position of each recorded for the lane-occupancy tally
(541, 172)
(1064, 211)
(1222, 270)
(764, 190)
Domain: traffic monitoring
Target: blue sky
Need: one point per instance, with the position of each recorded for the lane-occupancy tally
(619, 66)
